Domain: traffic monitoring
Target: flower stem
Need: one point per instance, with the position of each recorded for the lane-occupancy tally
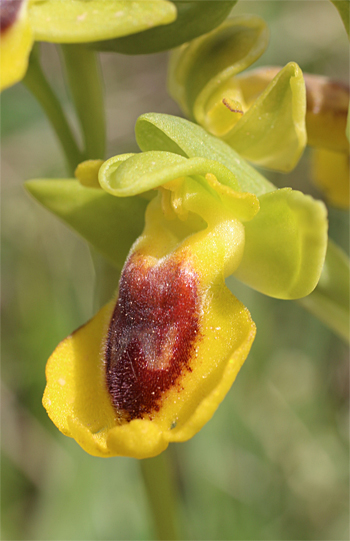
(160, 489)
(84, 79)
(38, 85)
(329, 301)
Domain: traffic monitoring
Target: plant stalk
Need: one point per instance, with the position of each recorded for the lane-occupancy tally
(39, 86)
(85, 83)
(159, 484)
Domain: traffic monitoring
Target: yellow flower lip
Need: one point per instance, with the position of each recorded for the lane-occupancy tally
(152, 367)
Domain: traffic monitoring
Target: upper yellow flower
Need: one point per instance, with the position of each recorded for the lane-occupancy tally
(107, 23)
(70, 21)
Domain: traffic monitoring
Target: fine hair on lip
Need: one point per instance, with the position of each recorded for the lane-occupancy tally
(151, 334)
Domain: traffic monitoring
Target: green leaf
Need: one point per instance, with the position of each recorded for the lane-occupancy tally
(152, 169)
(76, 21)
(330, 301)
(200, 67)
(272, 132)
(109, 223)
(343, 6)
(173, 134)
(285, 245)
(194, 18)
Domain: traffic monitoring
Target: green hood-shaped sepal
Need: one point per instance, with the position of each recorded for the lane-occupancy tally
(173, 134)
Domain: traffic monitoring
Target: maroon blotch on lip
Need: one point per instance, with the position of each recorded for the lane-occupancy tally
(9, 10)
(151, 334)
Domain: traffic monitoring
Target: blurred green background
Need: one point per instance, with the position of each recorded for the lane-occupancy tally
(273, 462)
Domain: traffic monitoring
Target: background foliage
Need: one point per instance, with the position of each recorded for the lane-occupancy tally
(273, 462)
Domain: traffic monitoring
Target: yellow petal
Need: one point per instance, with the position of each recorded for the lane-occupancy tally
(330, 171)
(16, 43)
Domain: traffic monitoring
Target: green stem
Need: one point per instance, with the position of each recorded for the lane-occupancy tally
(160, 489)
(38, 85)
(329, 301)
(84, 79)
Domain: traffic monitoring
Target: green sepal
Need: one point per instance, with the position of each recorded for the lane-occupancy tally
(108, 223)
(198, 68)
(77, 21)
(155, 131)
(343, 6)
(285, 245)
(272, 133)
(330, 300)
(194, 18)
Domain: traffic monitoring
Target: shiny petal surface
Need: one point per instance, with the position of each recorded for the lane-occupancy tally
(285, 245)
(272, 133)
(76, 21)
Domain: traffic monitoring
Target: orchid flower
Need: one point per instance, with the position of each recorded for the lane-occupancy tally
(152, 366)
(269, 114)
(266, 127)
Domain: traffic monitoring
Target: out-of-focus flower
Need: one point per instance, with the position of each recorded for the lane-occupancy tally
(264, 125)
(153, 365)
(98, 21)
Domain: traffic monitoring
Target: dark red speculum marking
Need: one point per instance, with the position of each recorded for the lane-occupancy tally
(151, 335)
(9, 11)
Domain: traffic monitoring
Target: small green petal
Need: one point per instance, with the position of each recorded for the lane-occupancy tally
(272, 132)
(76, 21)
(110, 224)
(173, 134)
(285, 245)
(87, 173)
(330, 300)
(194, 18)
